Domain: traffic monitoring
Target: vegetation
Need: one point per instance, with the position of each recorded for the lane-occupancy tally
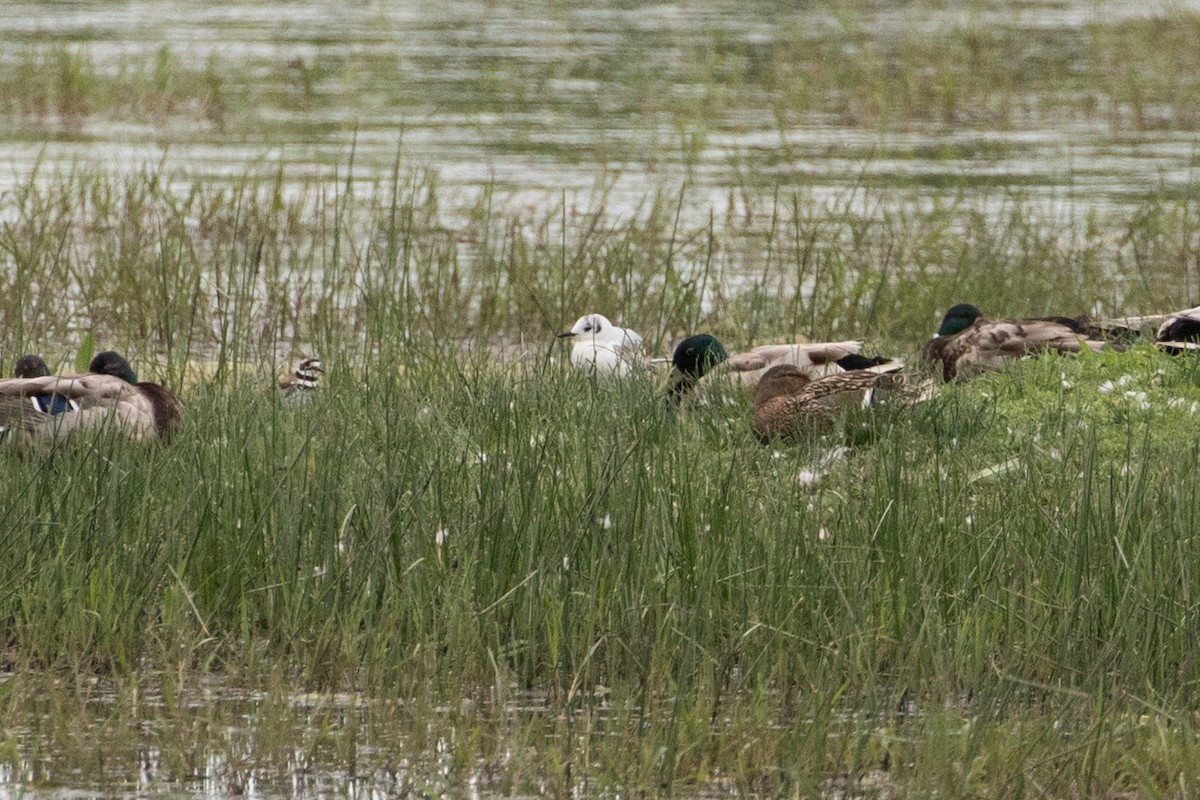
(445, 523)
(464, 567)
(981, 68)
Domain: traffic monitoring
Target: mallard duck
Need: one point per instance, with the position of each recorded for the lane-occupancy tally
(602, 347)
(303, 381)
(702, 356)
(109, 393)
(968, 343)
(789, 404)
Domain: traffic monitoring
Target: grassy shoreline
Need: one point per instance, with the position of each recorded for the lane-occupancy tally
(464, 568)
(1015, 557)
(246, 272)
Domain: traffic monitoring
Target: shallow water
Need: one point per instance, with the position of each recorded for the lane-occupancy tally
(214, 741)
(543, 99)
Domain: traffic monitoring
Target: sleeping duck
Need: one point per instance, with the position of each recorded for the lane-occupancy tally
(967, 343)
(789, 404)
(48, 408)
(34, 366)
(701, 359)
(1180, 331)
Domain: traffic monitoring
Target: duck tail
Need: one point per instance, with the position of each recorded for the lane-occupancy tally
(1179, 335)
(876, 364)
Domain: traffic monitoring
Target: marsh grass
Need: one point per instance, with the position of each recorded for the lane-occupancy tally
(62, 84)
(257, 270)
(1016, 553)
(463, 566)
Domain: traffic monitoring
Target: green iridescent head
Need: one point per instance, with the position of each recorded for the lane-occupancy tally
(110, 363)
(697, 354)
(959, 318)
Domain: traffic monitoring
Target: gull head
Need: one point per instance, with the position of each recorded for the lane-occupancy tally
(596, 327)
(602, 346)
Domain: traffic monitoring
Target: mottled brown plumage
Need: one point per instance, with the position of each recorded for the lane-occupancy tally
(968, 343)
(789, 405)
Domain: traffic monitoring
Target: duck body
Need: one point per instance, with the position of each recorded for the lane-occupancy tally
(702, 359)
(49, 408)
(302, 382)
(789, 405)
(967, 343)
(602, 347)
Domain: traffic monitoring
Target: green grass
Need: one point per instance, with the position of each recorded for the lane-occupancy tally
(1017, 555)
(168, 265)
(451, 521)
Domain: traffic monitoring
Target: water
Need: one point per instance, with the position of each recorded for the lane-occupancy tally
(217, 741)
(541, 99)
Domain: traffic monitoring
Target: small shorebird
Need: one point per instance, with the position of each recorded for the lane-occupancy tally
(300, 383)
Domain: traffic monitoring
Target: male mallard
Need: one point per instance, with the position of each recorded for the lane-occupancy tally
(968, 343)
(300, 383)
(600, 346)
(789, 404)
(702, 355)
(108, 391)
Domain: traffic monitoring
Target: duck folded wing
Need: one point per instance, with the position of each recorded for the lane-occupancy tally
(100, 400)
(798, 355)
(124, 417)
(87, 389)
(788, 406)
(987, 345)
(815, 360)
(1032, 336)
